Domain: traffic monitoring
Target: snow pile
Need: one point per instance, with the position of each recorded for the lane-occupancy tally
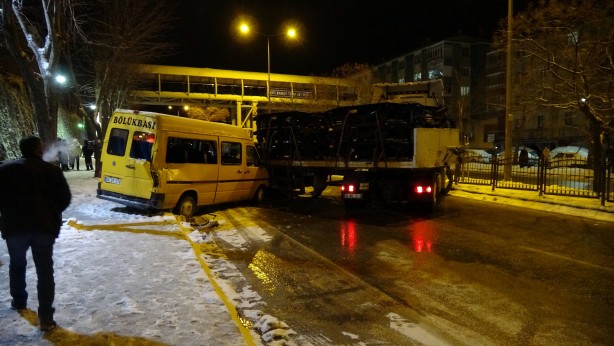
(274, 331)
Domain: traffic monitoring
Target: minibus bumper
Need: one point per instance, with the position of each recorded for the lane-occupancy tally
(155, 202)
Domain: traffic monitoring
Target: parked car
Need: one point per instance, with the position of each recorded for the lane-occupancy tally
(477, 155)
(570, 151)
(569, 156)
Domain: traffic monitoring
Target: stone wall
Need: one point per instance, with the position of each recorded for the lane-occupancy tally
(16, 116)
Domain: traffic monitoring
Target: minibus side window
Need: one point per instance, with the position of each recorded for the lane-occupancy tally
(141, 145)
(117, 142)
(185, 150)
(210, 151)
(231, 153)
(253, 159)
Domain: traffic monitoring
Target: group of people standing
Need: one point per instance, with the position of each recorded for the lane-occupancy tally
(69, 154)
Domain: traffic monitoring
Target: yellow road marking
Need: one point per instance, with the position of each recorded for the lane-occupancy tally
(182, 234)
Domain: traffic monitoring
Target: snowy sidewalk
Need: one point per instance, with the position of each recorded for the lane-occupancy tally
(124, 279)
(577, 206)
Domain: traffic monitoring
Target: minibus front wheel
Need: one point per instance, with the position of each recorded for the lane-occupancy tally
(186, 206)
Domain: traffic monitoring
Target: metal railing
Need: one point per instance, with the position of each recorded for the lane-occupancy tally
(609, 180)
(567, 177)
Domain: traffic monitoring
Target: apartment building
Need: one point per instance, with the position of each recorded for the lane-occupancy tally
(533, 126)
(474, 79)
(460, 61)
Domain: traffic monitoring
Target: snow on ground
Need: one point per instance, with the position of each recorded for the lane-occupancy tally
(577, 206)
(126, 277)
(130, 278)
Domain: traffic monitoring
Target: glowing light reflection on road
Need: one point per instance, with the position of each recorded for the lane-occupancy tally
(348, 235)
(422, 236)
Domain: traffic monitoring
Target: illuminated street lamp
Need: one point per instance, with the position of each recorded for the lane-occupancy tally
(61, 79)
(290, 32)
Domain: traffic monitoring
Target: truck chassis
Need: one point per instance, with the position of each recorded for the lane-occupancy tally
(387, 152)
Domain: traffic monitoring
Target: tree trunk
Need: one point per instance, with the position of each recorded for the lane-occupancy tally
(599, 130)
(41, 94)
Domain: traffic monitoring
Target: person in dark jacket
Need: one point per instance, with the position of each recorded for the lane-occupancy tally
(62, 147)
(88, 151)
(74, 152)
(523, 158)
(33, 195)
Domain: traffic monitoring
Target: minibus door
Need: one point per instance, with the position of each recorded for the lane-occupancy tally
(138, 166)
(254, 174)
(231, 173)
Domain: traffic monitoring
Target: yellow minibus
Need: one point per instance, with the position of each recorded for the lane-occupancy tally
(163, 162)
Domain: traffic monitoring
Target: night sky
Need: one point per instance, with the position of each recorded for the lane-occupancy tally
(334, 32)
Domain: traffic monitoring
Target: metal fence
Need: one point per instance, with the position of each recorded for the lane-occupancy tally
(609, 178)
(568, 177)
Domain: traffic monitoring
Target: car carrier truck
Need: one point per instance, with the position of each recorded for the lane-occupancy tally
(387, 151)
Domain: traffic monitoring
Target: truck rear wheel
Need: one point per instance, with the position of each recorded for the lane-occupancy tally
(448, 179)
(319, 184)
(431, 204)
(259, 195)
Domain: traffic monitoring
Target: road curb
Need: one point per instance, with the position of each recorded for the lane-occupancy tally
(537, 203)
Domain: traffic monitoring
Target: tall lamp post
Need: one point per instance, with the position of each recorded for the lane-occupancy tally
(290, 33)
(508, 95)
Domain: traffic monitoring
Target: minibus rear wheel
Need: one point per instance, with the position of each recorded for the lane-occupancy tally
(186, 206)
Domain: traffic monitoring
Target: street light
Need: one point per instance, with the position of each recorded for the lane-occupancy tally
(61, 79)
(509, 122)
(81, 127)
(291, 32)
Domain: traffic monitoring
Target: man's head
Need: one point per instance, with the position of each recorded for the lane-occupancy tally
(31, 147)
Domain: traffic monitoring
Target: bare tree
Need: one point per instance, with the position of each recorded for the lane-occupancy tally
(462, 108)
(566, 57)
(34, 37)
(218, 114)
(99, 43)
(361, 74)
(111, 37)
(118, 36)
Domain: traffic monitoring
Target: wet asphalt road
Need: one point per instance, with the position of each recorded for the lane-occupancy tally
(473, 273)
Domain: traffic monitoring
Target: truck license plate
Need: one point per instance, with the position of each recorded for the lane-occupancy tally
(353, 195)
(112, 180)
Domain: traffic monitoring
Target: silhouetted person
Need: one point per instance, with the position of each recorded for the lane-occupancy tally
(74, 152)
(546, 156)
(523, 158)
(33, 194)
(88, 151)
(63, 154)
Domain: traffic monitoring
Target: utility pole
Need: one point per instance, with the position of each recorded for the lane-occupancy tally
(509, 121)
